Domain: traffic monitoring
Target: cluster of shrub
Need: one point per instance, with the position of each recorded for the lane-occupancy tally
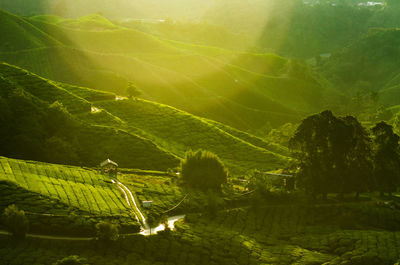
(339, 155)
(203, 170)
(18, 225)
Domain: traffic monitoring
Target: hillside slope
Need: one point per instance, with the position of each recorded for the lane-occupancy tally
(84, 126)
(38, 124)
(371, 62)
(178, 132)
(244, 90)
(17, 34)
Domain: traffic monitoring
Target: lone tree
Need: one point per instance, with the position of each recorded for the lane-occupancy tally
(334, 154)
(386, 158)
(203, 170)
(107, 231)
(133, 91)
(16, 221)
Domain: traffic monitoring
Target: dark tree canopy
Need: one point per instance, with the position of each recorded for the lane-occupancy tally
(107, 231)
(16, 221)
(133, 91)
(386, 158)
(203, 170)
(334, 154)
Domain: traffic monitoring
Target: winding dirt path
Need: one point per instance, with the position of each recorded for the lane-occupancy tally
(130, 198)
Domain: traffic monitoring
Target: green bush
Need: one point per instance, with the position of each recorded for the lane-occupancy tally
(107, 231)
(203, 170)
(16, 221)
(71, 260)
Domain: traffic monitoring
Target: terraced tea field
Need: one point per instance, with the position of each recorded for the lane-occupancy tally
(80, 189)
(267, 235)
(168, 198)
(179, 131)
(42, 88)
(337, 234)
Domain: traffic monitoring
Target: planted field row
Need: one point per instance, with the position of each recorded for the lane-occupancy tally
(286, 235)
(208, 240)
(179, 131)
(157, 189)
(44, 89)
(78, 188)
(87, 93)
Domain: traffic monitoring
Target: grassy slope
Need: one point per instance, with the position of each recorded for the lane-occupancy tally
(217, 96)
(138, 133)
(373, 59)
(17, 34)
(179, 131)
(216, 83)
(268, 235)
(82, 190)
(129, 149)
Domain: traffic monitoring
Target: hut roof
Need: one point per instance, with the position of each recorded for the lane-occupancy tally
(107, 162)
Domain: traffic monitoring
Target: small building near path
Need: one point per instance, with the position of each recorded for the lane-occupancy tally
(109, 166)
(147, 204)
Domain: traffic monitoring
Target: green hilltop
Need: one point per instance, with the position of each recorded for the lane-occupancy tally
(136, 133)
(243, 90)
(57, 135)
(374, 59)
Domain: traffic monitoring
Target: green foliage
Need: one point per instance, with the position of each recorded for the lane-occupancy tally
(78, 188)
(284, 234)
(133, 91)
(16, 221)
(179, 131)
(260, 185)
(186, 76)
(386, 158)
(152, 220)
(203, 170)
(372, 59)
(71, 260)
(40, 126)
(107, 231)
(334, 154)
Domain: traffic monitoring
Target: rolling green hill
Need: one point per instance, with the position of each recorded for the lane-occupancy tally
(178, 132)
(371, 62)
(17, 34)
(62, 199)
(91, 125)
(81, 189)
(243, 90)
(39, 125)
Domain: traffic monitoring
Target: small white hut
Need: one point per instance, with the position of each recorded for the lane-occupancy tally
(109, 166)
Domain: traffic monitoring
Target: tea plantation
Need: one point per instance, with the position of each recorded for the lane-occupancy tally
(51, 192)
(266, 235)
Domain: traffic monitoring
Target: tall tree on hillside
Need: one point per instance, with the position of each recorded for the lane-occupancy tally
(133, 91)
(333, 154)
(386, 158)
(311, 148)
(359, 162)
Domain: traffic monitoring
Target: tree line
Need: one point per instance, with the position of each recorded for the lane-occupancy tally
(339, 155)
